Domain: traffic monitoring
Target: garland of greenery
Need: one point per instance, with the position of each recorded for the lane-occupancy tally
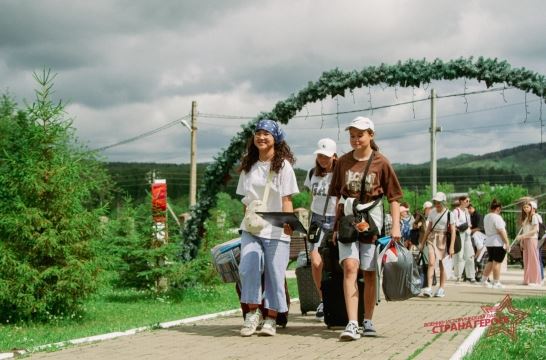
(411, 73)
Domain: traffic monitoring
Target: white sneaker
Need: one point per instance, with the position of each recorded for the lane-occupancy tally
(440, 293)
(498, 285)
(368, 329)
(319, 315)
(269, 328)
(487, 284)
(252, 319)
(351, 332)
(427, 292)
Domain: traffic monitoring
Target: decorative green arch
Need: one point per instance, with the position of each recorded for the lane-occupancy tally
(411, 73)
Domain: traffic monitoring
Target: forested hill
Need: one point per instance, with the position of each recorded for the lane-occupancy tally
(525, 165)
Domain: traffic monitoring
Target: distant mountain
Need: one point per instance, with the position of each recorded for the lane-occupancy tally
(524, 165)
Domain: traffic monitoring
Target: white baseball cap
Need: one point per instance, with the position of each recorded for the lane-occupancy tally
(326, 147)
(440, 196)
(534, 204)
(361, 123)
(427, 205)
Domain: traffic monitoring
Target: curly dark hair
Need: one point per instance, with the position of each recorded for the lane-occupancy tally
(251, 156)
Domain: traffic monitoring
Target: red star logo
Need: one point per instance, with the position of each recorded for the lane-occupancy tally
(504, 323)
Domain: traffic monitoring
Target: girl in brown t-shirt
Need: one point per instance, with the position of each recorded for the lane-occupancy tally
(346, 184)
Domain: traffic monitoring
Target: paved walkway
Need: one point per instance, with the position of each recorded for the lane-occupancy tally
(399, 324)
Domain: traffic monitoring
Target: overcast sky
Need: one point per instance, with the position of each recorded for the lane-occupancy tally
(127, 67)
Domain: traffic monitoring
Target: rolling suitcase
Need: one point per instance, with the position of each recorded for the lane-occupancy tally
(333, 298)
(307, 291)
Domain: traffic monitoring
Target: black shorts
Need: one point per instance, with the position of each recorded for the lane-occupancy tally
(496, 253)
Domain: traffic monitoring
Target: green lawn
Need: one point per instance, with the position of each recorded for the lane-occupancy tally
(121, 310)
(531, 336)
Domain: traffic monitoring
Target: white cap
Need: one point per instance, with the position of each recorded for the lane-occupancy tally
(326, 147)
(534, 204)
(361, 123)
(427, 205)
(440, 196)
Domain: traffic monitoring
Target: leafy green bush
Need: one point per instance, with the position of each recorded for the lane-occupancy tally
(51, 190)
(302, 200)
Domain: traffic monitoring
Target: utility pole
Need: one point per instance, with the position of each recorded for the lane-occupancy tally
(433, 130)
(193, 163)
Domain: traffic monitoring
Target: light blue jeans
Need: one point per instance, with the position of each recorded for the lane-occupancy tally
(270, 258)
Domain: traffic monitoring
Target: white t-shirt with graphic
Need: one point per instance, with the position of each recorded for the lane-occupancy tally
(252, 186)
(492, 223)
(441, 222)
(318, 185)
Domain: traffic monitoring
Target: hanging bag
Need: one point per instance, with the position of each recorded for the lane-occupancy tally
(458, 245)
(360, 225)
(315, 229)
(253, 223)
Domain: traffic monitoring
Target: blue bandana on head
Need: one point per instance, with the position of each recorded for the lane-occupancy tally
(271, 127)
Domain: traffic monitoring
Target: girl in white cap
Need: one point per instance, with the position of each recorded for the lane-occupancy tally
(529, 243)
(436, 241)
(362, 171)
(266, 175)
(323, 207)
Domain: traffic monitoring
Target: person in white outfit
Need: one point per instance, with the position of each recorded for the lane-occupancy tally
(464, 259)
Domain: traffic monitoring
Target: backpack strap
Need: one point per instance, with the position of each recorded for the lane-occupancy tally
(440, 218)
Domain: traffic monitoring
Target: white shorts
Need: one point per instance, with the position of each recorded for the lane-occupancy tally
(364, 253)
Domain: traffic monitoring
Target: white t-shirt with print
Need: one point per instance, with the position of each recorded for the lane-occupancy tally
(492, 223)
(318, 185)
(252, 186)
(434, 217)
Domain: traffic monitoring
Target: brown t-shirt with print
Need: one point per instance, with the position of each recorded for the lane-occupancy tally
(380, 180)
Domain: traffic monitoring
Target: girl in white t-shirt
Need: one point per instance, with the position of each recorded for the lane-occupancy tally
(267, 163)
(529, 243)
(323, 208)
(436, 241)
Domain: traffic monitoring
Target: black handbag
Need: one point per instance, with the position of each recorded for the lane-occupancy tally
(347, 231)
(457, 246)
(315, 229)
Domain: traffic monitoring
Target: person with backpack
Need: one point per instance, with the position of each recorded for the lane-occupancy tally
(439, 221)
(323, 207)
(529, 243)
(496, 243)
(267, 181)
(464, 259)
(361, 178)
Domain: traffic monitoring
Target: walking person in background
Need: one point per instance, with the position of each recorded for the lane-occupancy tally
(363, 173)
(529, 243)
(266, 174)
(406, 224)
(496, 243)
(436, 241)
(323, 208)
(464, 259)
(534, 204)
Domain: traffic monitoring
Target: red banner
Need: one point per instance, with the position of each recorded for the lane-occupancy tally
(159, 200)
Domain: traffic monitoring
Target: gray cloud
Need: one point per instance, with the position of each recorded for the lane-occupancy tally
(129, 66)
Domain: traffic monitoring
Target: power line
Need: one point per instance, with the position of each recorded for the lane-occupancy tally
(143, 135)
(370, 108)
